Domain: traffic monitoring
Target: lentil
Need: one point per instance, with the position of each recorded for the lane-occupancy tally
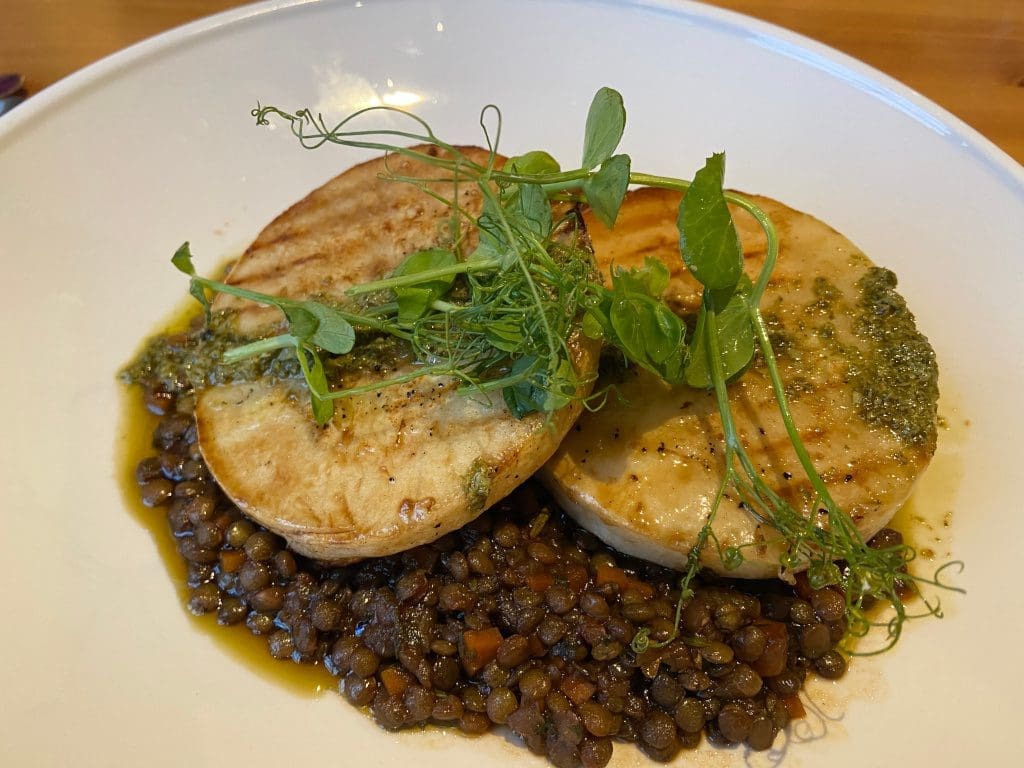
(204, 599)
(232, 611)
(501, 703)
(563, 676)
(155, 493)
(261, 546)
(595, 753)
(238, 532)
(689, 715)
(734, 722)
(831, 665)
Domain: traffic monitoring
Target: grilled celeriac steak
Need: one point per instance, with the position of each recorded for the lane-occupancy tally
(395, 468)
(641, 473)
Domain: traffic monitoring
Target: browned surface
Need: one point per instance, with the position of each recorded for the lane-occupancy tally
(643, 471)
(395, 468)
(966, 55)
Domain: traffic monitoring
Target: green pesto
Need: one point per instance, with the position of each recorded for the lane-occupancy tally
(826, 294)
(893, 373)
(798, 386)
(478, 485)
(826, 332)
(181, 362)
(781, 340)
(898, 379)
(372, 353)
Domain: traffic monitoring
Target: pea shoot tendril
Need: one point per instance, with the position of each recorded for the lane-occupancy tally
(499, 319)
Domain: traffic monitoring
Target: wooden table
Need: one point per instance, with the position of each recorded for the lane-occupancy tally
(967, 55)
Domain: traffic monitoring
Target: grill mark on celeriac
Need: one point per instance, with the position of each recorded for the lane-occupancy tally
(339, 491)
(590, 472)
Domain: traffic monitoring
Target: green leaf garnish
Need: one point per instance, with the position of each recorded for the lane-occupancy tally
(536, 163)
(596, 324)
(633, 317)
(523, 397)
(182, 259)
(414, 300)
(302, 323)
(735, 332)
(707, 236)
(560, 387)
(651, 279)
(645, 329)
(333, 333)
(606, 189)
(606, 121)
(311, 325)
(313, 370)
(535, 209)
(505, 333)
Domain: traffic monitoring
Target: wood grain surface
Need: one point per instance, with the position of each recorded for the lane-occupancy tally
(966, 55)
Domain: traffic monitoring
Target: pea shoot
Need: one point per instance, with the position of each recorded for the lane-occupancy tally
(499, 319)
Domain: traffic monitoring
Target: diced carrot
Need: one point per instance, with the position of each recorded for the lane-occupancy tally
(794, 706)
(395, 680)
(609, 574)
(539, 582)
(478, 648)
(576, 577)
(231, 560)
(578, 689)
(773, 661)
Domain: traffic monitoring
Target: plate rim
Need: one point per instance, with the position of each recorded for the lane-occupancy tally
(80, 85)
(865, 77)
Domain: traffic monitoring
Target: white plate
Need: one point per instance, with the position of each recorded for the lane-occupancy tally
(103, 175)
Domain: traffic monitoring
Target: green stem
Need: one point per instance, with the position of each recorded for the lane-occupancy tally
(244, 293)
(663, 182)
(404, 378)
(281, 341)
(772, 251)
(492, 384)
(281, 303)
(732, 440)
(463, 267)
(445, 306)
(548, 181)
(778, 390)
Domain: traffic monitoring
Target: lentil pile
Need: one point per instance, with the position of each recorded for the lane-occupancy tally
(520, 619)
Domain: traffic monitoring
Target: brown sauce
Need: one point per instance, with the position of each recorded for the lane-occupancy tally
(134, 434)
(927, 519)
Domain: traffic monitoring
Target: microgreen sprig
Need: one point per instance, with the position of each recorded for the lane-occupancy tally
(499, 319)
